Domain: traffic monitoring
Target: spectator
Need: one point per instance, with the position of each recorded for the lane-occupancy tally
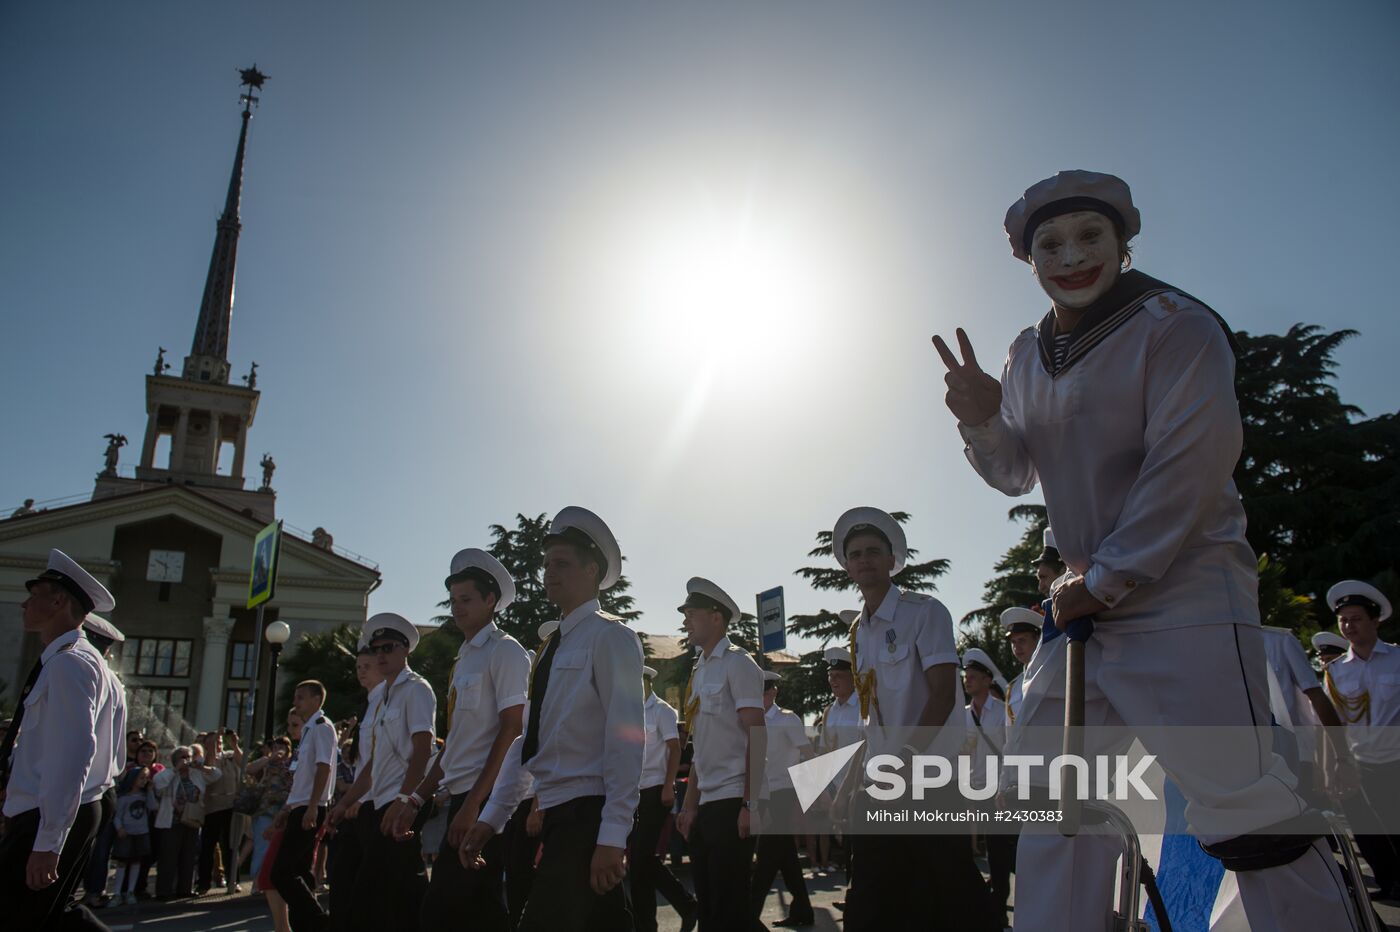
(273, 774)
(135, 799)
(181, 791)
(218, 809)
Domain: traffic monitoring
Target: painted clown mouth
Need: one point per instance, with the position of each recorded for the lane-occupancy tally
(1078, 280)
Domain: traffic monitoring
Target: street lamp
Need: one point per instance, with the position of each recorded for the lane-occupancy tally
(277, 634)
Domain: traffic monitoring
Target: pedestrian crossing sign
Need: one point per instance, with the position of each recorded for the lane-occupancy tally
(262, 578)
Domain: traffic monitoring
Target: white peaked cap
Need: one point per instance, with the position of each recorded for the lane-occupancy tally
(475, 559)
(709, 593)
(384, 622)
(101, 626)
(980, 657)
(862, 518)
(1355, 592)
(584, 527)
(1324, 640)
(64, 572)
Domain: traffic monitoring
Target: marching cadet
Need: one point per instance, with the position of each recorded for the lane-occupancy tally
(842, 725)
(61, 753)
(391, 881)
(1049, 566)
(300, 820)
(986, 723)
(485, 708)
(1121, 404)
(647, 873)
(1364, 685)
(777, 851)
(1022, 627)
(351, 840)
(582, 743)
(1329, 645)
(906, 664)
(724, 712)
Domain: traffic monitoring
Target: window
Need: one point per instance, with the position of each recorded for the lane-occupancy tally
(240, 660)
(234, 700)
(159, 712)
(156, 657)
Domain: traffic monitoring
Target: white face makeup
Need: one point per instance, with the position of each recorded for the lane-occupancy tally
(1076, 257)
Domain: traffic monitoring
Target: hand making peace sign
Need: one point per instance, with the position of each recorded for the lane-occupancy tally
(973, 395)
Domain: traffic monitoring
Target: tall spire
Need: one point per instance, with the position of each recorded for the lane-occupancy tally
(208, 359)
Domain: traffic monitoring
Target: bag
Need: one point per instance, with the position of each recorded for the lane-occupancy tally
(192, 816)
(249, 799)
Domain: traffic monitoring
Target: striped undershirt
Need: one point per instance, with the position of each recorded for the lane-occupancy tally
(1061, 349)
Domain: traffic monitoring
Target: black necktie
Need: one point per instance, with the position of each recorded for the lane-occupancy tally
(7, 747)
(538, 684)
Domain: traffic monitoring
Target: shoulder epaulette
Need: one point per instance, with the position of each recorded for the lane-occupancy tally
(914, 597)
(610, 617)
(1275, 628)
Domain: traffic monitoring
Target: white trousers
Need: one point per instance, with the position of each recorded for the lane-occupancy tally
(1206, 675)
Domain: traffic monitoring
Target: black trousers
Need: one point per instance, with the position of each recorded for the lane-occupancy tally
(391, 881)
(291, 872)
(566, 900)
(778, 853)
(896, 878)
(47, 908)
(519, 850)
(179, 848)
(648, 873)
(217, 832)
(343, 868)
(1380, 784)
(1001, 861)
(720, 862)
(458, 897)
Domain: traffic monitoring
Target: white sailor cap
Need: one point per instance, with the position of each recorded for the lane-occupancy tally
(1049, 553)
(701, 593)
(976, 656)
(1022, 619)
(546, 629)
(479, 564)
(391, 626)
(648, 672)
(1330, 641)
(1065, 193)
(64, 572)
(582, 527)
(1355, 592)
(96, 624)
(362, 645)
(870, 520)
(849, 616)
(770, 676)
(1001, 683)
(837, 658)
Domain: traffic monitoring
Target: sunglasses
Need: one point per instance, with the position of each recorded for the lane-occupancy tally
(383, 648)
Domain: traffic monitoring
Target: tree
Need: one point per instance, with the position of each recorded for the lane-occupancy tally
(1014, 585)
(804, 689)
(328, 656)
(1320, 483)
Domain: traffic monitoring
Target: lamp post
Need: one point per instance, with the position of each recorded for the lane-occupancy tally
(277, 634)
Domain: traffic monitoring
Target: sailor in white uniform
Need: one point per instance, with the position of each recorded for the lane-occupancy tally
(61, 754)
(776, 852)
(987, 726)
(647, 872)
(350, 840)
(1120, 404)
(1022, 627)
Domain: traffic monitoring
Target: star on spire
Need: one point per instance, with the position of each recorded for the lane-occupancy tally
(253, 80)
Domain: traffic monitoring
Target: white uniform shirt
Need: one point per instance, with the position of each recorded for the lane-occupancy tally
(490, 676)
(317, 746)
(659, 722)
(787, 743)
(726, 680)
(907, 634)
(1294, 676)
(1375, 739)
(990, 740)
(406, 708)
(1134, 447)
(70, 745)
(842, 723)
(367, 725)
(590, 741)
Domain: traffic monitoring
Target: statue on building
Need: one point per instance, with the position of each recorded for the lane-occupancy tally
(252, 377)
(322, 538)
(268, 468)
(114, 443)
(26, 509)
(161, 364)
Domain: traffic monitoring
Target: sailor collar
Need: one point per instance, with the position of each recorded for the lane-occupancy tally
(479, 639)
(571, 621)
(886, 608)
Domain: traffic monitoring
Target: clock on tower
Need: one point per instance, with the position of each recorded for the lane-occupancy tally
(165, 566)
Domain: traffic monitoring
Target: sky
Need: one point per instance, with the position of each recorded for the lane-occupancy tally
(676, 263)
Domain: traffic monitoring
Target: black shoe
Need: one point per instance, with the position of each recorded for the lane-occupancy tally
(689, 916)
(796, 922)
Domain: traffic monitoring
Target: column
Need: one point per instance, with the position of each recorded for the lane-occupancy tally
(177, 443)
(209, 708)
(240, 445)
(148, 448)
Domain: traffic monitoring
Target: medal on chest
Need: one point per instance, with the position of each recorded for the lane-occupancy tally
(889, 640)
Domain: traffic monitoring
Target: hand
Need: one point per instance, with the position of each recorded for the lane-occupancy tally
(121, 833)
(42, 869)
(973, 396)
(397, 823)
(280, 822)
(308, 819)
(684, 821)
(1074, 600)
(462, 823)
(606, 871)
(668, 795)
(534, 823)
(744, 822)
(1345, 780)
(338, 812)
(476, 838)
